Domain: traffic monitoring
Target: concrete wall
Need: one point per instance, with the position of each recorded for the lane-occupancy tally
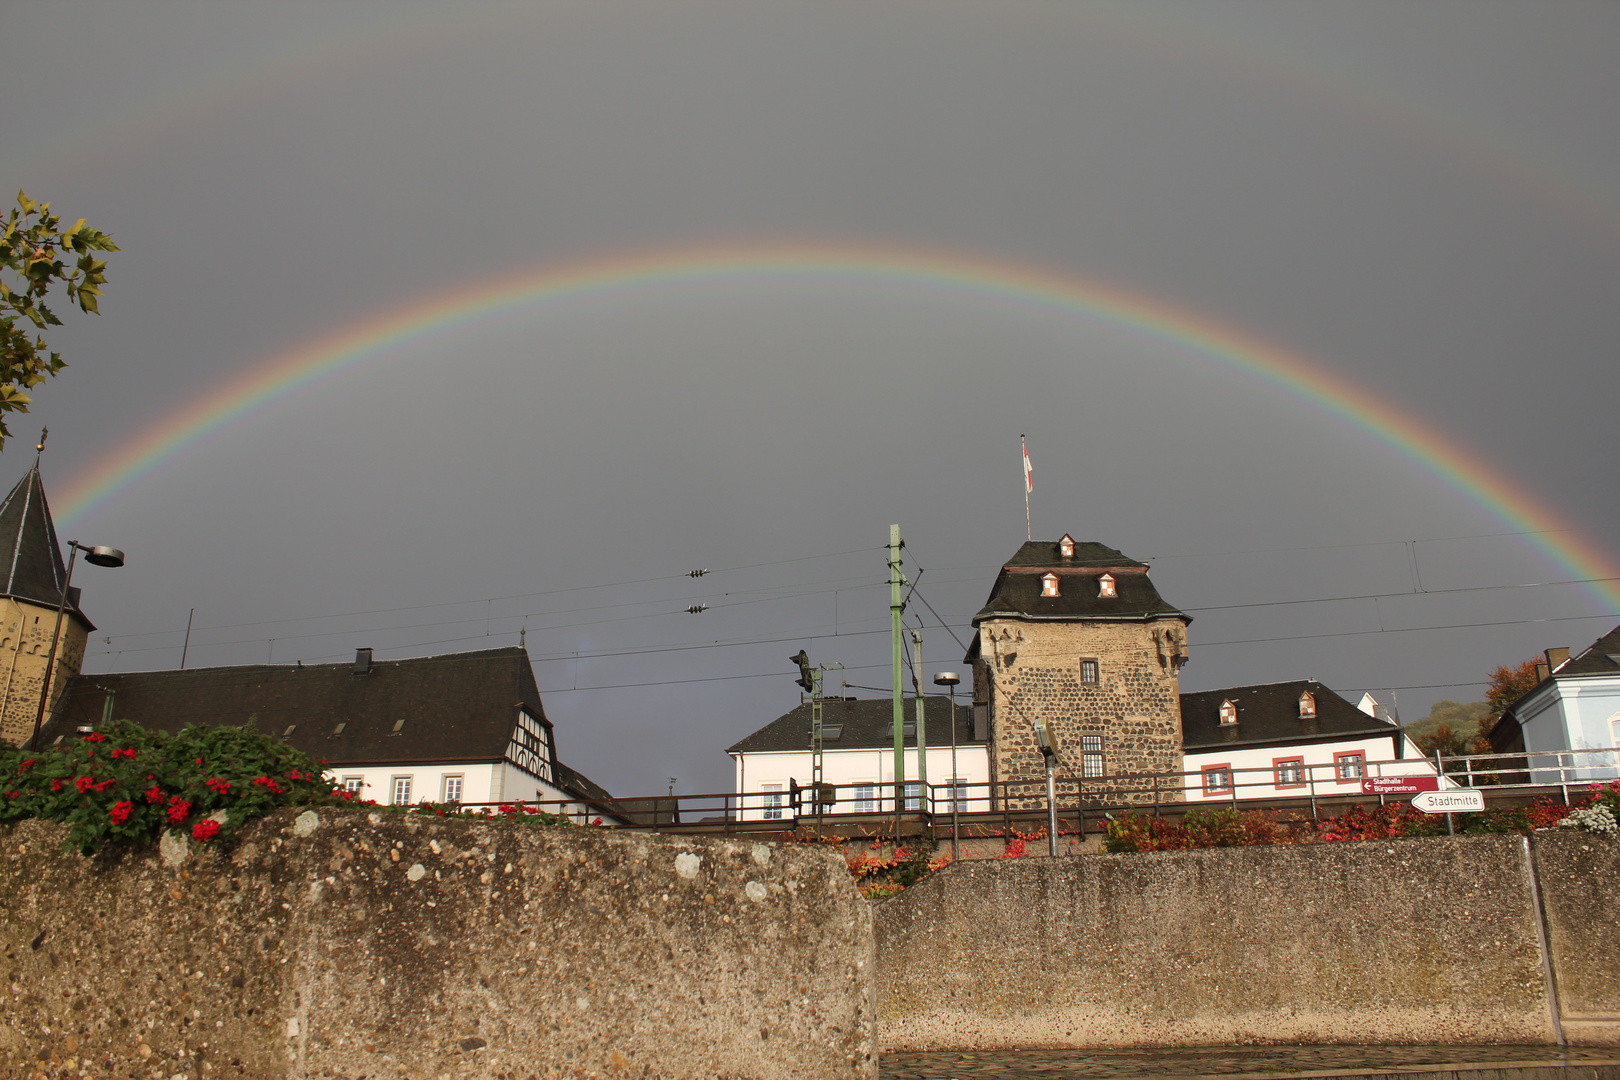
(1421, 940)
(349, 943)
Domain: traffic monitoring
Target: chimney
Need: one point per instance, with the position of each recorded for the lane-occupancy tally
(362, 661)
(1556, 658)
(1542, 671)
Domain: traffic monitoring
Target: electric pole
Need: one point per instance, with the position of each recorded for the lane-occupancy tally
(896, 606)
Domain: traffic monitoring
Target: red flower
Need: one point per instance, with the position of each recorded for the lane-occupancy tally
(179, 810)
(154, 794)
(95, 738)
(219, 786)
(83, 783)
(25, 764)
(596, 821)
(105, 784)
(128, 751)
(204, 830)
(56, 785)
(15, 794)
(294, 775)
(267, 782)
(121, 811)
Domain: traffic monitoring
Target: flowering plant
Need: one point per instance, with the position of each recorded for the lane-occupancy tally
(204, 782)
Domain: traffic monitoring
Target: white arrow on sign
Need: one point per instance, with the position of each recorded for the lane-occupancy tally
(1456, 801)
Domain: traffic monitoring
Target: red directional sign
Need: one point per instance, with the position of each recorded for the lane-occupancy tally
(1398, 785)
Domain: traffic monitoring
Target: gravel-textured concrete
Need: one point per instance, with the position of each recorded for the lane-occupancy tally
(1579, 875)
(1428, 940)
(348, 943)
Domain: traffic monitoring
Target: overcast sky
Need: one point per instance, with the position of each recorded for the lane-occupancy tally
(1422, 200)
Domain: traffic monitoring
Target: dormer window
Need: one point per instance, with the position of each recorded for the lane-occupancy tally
(1307, 705)
(1228, 713)
(1049, 583)
(1066, 546)
(1105, 585)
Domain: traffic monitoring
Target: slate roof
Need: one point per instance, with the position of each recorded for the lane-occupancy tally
(1017, 591)
(30, 559)
(1602, 657)
(867, 724)
(456, 708)
(1269, 714)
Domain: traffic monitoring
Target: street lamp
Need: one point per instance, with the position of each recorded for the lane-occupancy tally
(1047, 741)
(100, 556)
(950, 679)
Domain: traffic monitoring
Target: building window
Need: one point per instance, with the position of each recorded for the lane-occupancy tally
(913, 796)
(402, 791)
(1105, 585)
(1217, 779)
(956, 796)
(1307, 705)
(1049, 584)
(1066, 546)
(1350, 766)
(1290, 772)
(1088, 671)
(1228, 713)
(1091, 758)
(772, 801)
(354, 784)
(452, 789)
(865, 798)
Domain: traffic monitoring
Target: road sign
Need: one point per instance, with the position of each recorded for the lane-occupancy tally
(1456, 801)
(1398, 785)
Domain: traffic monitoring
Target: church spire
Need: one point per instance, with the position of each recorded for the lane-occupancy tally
(31, 565)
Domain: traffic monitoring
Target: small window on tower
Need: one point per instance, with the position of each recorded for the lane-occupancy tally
(1228, 713)
(1066, 546)
(1049, 584)
(1088, 671)
(1105, 585)
(1307, 705)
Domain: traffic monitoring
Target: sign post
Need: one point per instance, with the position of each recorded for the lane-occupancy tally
(1455, 801)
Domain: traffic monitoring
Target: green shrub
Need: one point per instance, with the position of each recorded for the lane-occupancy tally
(125, 784)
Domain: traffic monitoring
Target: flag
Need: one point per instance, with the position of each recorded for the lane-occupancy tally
(1029, 473)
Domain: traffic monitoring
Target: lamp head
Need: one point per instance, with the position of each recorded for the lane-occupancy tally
(947, 678)
(103, 556)
(1045, 739)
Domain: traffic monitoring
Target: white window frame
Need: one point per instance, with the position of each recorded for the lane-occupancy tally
(445, 782)
(913, 795)
(394, 783)
(771, 798)
(354, 784)
(1093, 667)
(865, 798)
(1106, 586)
(1049, 585)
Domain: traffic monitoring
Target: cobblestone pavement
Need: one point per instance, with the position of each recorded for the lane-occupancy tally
(1225, 1061)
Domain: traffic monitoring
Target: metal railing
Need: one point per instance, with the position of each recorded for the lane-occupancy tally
(965, 810)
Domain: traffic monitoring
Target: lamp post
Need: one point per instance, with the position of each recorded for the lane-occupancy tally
(950, 679)
(1048, 744)
(100, 556)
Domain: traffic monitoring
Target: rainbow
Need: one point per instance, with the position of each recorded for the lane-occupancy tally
(420, 320)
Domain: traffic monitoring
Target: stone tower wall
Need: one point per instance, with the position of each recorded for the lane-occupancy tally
(25, 645)
(1030, 669)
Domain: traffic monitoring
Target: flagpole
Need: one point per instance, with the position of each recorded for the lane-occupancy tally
(1029, 485)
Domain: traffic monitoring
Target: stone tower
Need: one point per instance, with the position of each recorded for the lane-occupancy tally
(31, 580)
(1077, 635)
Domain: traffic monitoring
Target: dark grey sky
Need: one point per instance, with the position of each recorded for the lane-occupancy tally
(1424, 200)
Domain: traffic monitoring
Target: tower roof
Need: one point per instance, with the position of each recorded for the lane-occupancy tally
(30, 559)
(1078, 594)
